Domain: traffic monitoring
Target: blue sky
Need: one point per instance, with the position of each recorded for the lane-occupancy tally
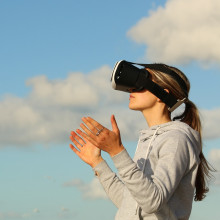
(56, 62)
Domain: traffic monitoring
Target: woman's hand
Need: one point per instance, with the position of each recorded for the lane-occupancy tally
(86, 151)
(101, 137)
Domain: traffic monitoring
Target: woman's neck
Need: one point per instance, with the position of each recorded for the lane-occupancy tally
(156, 117)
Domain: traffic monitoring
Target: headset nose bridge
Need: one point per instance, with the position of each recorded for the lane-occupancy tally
(131, 90)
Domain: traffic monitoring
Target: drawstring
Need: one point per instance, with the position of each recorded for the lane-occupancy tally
(137, 146)
(150, 146)
(146, 156)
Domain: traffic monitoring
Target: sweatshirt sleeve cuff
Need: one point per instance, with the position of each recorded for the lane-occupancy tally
(102, 169)
(122, 160)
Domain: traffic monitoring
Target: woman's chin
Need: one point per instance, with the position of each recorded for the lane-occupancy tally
(132, 107)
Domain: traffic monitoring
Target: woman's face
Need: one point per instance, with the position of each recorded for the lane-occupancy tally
(142, 100)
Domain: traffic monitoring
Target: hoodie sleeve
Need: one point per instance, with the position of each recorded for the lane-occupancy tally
(112, 185)
(152, 192)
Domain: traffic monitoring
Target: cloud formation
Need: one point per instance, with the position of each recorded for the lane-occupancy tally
(211, 121)
(54, 107)
(36, 210)
(10, 215)
(92, 190)
(179, 33)
(17, 215)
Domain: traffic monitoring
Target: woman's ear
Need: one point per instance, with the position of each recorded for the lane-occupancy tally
(166, 91)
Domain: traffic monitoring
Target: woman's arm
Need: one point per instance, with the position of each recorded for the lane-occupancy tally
(112, 185)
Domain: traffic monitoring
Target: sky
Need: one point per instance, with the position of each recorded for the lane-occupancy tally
(56, 59)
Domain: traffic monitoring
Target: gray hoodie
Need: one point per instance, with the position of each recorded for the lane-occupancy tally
(159, 182)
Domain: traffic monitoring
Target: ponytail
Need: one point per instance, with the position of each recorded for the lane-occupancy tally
(191, 117)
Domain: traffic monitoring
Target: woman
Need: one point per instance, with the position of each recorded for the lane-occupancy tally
(168, 168)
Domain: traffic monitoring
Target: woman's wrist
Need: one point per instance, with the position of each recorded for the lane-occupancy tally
(117, 151)
(96, 162)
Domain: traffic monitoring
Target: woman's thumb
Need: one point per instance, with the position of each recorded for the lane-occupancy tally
(114, 124)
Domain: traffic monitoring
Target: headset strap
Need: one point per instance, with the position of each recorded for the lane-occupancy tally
(164, 96)
(165, 69)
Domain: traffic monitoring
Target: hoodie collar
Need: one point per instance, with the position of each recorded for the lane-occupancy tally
(148, 133)
(171, 125)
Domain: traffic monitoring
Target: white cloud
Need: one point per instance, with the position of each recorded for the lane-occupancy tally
(17, 215)
(214, 156)
(211, 121)
(36, 210)
(214, 159)
(26, 215)
(92, 190)
(14, 215)
(63, 209)
(180, 32)
(73, 91)
(10, 215)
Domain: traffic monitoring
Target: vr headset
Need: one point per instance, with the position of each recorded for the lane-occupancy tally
(128, 78)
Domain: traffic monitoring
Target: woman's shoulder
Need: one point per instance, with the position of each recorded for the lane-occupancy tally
(176, 130)
(178, 136)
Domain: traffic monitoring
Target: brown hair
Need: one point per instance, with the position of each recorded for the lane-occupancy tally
(191, 117)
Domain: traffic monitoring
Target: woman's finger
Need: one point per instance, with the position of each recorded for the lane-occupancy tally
(74, 150)
(76, 143)
(78, 138)
(86, 137)
(87, 130)
(93, 125)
